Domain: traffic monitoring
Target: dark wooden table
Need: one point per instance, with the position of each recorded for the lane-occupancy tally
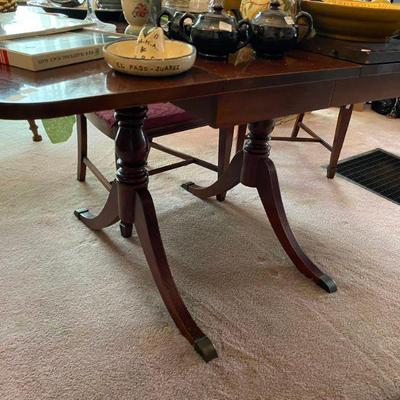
(254, 93)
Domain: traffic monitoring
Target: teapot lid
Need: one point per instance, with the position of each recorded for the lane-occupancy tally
(217, 9)
(274, 5)
(273, 17)
(217, 13)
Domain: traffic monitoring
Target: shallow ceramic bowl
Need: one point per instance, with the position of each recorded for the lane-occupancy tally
(356, 21)
(179, 57)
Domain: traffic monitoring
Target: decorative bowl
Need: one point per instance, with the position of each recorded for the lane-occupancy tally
(353, 20)
(121, 56)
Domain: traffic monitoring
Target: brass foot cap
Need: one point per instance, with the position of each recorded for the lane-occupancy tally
(327, 283)
(80, 211)
(205, 348)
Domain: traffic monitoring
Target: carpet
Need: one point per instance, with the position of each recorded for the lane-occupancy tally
(81, 317)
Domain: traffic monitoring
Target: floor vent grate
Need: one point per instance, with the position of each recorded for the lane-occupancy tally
(376, 170)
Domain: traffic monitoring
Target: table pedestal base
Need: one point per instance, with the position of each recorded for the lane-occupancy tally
(252, 167)
(130, 202)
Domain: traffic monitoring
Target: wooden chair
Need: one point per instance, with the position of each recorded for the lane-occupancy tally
(163, 119)
(335, 149)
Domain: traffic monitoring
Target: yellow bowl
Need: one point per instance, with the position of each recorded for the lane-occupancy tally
(382, 4)
(352, 20)
(179, 57)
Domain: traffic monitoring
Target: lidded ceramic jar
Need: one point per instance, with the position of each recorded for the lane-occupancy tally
(274, 32)
(215, 34)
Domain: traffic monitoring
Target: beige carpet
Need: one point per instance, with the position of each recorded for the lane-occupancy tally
(81, 318)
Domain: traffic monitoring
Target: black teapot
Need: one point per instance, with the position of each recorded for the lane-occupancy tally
(274, 32)
(215, 34)
(172, 28)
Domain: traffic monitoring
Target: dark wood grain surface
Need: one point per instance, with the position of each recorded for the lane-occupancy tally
(94, 86)
(358, 52)
(301, 81)
(298, 66)
(89, 87)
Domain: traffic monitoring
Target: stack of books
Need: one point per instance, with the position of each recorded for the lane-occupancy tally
(37, 41)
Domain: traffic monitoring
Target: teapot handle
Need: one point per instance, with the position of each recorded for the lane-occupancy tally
(237, 14)
(249, 32)
(309, 20)
(164, 13)
(184, 29)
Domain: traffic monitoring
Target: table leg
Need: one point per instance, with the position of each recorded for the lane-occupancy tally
(107, 216)
(229, 179)
(258, 171)
(131, 203)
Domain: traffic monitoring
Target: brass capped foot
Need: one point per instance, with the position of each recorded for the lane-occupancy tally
(327, 283)
(205, 348)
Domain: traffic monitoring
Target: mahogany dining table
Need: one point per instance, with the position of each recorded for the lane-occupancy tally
(254, 92)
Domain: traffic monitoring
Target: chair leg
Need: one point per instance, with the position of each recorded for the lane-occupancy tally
(340, 134)
(150, 142)
(34, 128)
(224, 154)
(81, 123)
(296, 126)
(241, 136)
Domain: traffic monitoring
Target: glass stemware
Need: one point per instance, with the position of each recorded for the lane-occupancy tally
(91, 17)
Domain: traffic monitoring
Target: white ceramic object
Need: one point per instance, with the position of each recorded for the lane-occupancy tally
(179, 57)
(150, 44)
(137, 13)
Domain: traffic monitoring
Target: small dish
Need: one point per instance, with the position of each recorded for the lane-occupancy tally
(121, 56)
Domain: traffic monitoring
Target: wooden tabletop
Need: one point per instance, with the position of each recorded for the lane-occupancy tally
(92, 86)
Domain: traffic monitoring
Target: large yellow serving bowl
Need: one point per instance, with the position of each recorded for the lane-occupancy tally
(352, 20)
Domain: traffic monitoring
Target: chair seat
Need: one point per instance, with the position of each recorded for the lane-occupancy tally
(159, 115)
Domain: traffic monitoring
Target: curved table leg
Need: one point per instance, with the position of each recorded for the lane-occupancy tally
(253, 168)
(227, 181)
(136, 207)
(259, 172)
(107, 216)
(130, 202)
(270, 194)
(150, 238)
